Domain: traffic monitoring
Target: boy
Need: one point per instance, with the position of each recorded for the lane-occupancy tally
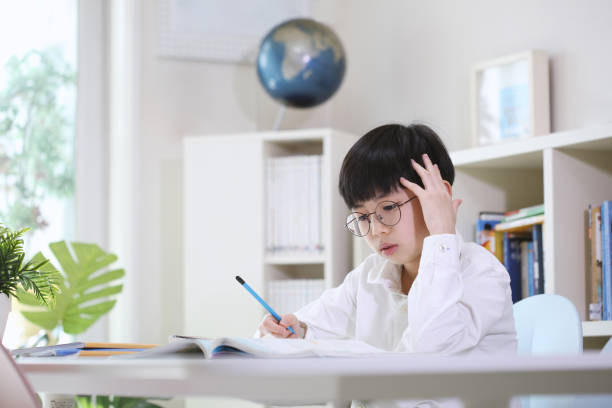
(424, 289)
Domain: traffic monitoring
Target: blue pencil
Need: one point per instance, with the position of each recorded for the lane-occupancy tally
(263, 303)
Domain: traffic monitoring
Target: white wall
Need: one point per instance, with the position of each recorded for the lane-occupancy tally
(407, 60)
(410, 60)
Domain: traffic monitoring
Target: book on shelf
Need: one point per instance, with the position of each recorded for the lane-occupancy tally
(289, 295)
(517, 242)
(606, 261)
(82, 349)
(521, 252)
(523, 213)
(594, 275)
(598, 251)
(265, 347)
(538, 258)
(293, 206)
(485, 228)
(512, 262)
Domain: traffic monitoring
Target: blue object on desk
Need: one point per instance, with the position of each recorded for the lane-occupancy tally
(263, 303)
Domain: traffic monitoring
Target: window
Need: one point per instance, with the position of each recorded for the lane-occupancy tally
(37, 123)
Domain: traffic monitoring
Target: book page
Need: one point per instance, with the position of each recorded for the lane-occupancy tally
(271, 347)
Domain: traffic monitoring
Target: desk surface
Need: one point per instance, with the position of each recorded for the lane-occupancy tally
(479, 380)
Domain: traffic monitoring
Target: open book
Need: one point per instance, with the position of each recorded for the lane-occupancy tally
(259, 347)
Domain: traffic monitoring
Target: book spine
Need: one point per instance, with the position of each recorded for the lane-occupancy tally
(512, 262)
(524, 269)
(606, 225)
(319, 206)
(530, 274)
(604, 280)
(269, 206)
(538, 261)
(593, 269)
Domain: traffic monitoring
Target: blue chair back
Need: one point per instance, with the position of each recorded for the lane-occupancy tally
(547, 324)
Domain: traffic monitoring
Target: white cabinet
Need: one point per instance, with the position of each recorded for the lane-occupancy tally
(566, 171)
(225, 225)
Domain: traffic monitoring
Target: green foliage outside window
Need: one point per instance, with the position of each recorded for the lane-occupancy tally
(36, 136)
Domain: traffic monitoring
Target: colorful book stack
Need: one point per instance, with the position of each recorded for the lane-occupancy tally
(293, 206)
(517, 242)
(599, 261)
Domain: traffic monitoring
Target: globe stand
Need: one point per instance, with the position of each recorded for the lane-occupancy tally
(279, 117)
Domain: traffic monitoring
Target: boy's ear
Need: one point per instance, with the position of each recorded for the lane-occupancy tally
(448, 186)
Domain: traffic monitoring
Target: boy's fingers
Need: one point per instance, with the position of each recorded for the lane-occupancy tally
(274, 328)
(422, 172)
(415, 188)
(427, 161)
(437, 171)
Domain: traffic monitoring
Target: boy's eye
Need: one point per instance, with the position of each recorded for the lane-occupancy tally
(362, 218)
(389, 207)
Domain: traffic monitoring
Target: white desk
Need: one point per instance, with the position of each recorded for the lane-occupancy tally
(482, 381)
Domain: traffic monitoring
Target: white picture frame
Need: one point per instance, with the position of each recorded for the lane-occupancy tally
(221, 31)
(510, 98)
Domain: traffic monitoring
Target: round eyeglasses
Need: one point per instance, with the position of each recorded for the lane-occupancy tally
(387, 213)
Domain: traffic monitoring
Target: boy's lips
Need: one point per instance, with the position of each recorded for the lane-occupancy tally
(387, 249)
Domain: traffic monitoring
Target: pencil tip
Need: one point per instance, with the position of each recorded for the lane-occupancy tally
(240, 280)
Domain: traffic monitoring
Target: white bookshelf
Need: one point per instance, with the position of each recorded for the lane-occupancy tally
(566, 171)
(225, 174)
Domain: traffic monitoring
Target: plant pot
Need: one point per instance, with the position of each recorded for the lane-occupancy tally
(5, 308)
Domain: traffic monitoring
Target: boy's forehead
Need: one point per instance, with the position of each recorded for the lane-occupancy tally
(394, 195)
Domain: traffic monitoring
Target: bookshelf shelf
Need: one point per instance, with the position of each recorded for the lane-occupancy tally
(524, 224)
(226, 229)
(566, 171)
(528, 153)
(274, 260)
(597, 329)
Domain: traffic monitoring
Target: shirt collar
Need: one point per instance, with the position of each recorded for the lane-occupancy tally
(387, 274)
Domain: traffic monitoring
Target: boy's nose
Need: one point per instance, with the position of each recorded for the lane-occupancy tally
(377, 227)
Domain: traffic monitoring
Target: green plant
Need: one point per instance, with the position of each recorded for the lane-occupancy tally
(36, 278)
(86, 401)
(84, 296)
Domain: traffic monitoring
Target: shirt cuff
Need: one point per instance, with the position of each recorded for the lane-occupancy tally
(441, 249)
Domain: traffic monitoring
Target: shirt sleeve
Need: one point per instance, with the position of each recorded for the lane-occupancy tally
(446, 314)
(332, 315)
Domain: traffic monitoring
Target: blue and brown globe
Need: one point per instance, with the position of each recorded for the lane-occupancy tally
(301, 63)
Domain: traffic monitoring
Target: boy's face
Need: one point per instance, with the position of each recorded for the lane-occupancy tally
(401, 243)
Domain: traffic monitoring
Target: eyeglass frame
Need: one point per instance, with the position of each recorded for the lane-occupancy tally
(399, 205)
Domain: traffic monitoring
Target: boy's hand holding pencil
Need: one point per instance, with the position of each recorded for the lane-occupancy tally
(280, 329)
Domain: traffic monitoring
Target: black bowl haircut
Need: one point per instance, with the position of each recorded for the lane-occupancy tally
(374, 164)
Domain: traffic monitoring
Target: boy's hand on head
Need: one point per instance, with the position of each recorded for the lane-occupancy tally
(439, 208)
(276, 329)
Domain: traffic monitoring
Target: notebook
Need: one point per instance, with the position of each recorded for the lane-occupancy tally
(258, 347)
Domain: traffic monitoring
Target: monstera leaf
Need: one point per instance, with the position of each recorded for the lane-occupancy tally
(85, 294)
(101, 401)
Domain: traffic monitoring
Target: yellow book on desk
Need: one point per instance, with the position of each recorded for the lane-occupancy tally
(267, 347)
(84, 349)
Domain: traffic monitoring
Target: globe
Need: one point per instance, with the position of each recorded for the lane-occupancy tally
(301, 63)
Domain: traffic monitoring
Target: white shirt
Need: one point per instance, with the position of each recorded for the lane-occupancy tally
(460, 302)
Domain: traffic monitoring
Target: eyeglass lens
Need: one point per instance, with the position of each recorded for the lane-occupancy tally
(387, 212)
